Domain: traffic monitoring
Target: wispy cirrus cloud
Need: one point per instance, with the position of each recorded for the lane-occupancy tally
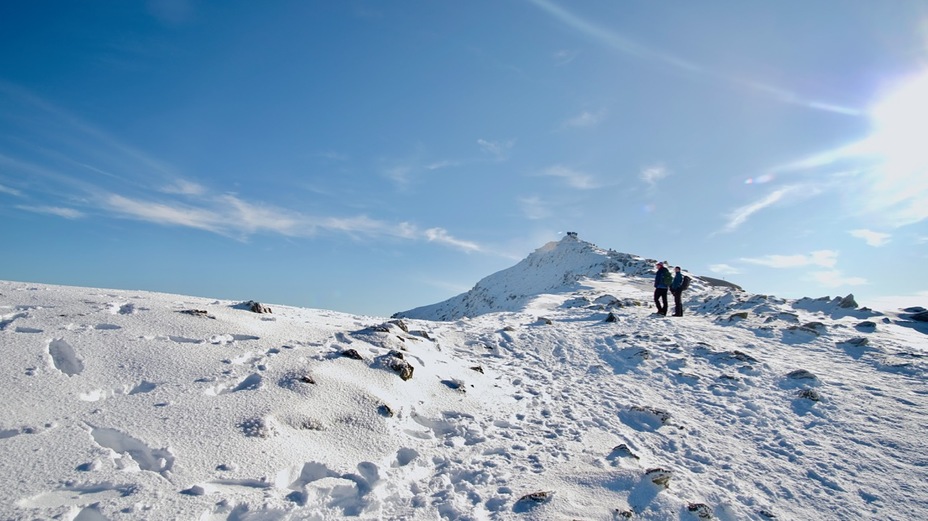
(184, 187)
(585, 119)
(573, 178)
(67, 213)
(836, 279)
(128, 183)
(439, 165)
(442, 236)
(10, 191)
(629, 47)
(167, 213)
(652, 174)
(823, 258)
(724, 269)
(401, 174)
(739, 216)
(498, 149)
(232, 217)
(886, 172)
(872, 238)
(76, 142)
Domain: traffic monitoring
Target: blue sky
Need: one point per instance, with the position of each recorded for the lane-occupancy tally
(371, 157)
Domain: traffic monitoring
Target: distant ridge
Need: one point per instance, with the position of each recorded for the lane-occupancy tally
(556, 267)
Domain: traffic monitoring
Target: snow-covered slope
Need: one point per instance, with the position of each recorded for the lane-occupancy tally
(579, 405)
(556, 267)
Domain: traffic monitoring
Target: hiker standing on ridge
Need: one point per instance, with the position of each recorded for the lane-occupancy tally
(662, 281)
(676, 289)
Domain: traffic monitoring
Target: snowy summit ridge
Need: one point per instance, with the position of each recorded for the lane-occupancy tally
(123, 405)
(556, 267)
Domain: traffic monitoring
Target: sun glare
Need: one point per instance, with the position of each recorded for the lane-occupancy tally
(901, 121)
(899, 180)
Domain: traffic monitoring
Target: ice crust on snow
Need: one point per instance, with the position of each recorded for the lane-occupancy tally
(522, 402)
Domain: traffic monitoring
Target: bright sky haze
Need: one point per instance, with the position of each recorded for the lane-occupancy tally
(372, 157)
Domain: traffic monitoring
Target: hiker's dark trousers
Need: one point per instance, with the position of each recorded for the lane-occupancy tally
(677, 303)
(660, 300)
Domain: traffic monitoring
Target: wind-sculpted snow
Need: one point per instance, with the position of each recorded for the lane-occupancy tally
(127, 406)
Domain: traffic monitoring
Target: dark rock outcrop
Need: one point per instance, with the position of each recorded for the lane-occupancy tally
(256, 307)
(700, 510)
(197, 313)
(801, 374)
(848, 302)
(659, 476)
(396, 362)
(537, 497)
(810, 394)
(352, 354)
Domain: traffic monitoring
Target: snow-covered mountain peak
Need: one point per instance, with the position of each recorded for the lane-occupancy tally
(556, 267)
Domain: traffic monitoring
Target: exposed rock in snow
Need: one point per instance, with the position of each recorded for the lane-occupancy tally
(256, 307)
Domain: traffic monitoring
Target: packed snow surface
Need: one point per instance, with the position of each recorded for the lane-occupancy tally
(559, 396)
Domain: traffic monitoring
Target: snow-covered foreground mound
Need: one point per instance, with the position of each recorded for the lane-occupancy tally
(129, 405)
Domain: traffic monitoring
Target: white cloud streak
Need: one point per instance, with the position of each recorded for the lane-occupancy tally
(184, 187)
(836, 279)
(166, 214)
(233, 217)
(631, 48)
(10, 191)
(739, 216)
(573, 178)
(872, 238)
(823, 258)
(160, 195)
(652, 174)
(585, 119)
(724, 269)
(67, 213)
(498, 149)
(442, 236)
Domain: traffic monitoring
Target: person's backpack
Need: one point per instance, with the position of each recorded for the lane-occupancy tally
(668, 278)
(686, 283)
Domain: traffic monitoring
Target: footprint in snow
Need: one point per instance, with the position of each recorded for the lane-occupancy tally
(64, 358)
(6, 320)
(143, 387)
(118, 308)
(30, 330)
(82, 495)
(251, 383)
(148, 459)
(106, 327)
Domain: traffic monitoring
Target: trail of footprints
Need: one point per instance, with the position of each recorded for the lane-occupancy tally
(132, 452)
(452, 486)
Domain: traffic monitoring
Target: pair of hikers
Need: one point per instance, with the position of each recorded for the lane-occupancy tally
(676, 283)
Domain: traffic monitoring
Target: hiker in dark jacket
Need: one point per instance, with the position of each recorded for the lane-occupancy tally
(660, 288)
(676, 288)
